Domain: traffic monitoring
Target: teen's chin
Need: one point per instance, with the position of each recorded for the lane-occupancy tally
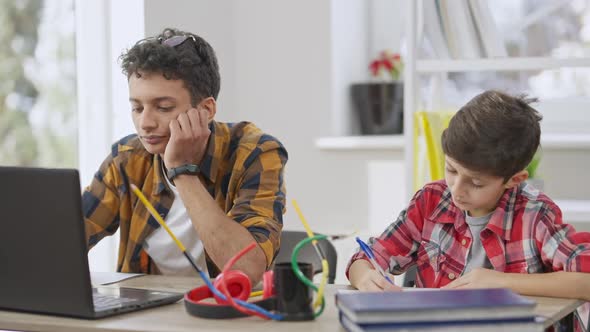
(153, 147)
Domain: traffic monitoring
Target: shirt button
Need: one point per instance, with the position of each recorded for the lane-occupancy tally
(451, 276)
(463, 242)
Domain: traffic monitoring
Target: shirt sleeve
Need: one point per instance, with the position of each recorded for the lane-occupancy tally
(100, 203)
(560, 246)
(260, 199)
(395, 249)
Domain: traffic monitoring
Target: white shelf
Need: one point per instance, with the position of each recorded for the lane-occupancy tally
(565, 141)
(498, 64)
(373, 142)
(396, 142)
(575, 210)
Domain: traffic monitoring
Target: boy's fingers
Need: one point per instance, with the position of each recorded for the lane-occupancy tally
(381, 282)
(193, 116)
(372, 287)
(456, 283)
(174, 126)
(204, 118)
(390, 287)
(184, 122)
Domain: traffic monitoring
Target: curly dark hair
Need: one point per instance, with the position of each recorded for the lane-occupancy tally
(494, 133)
(193, 61)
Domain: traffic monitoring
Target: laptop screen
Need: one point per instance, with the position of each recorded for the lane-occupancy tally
(43, 253)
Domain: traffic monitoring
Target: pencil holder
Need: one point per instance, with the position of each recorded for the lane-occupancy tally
(293, 297)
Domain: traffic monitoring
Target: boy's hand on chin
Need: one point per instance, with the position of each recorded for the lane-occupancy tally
(479, 278)
(189, 135)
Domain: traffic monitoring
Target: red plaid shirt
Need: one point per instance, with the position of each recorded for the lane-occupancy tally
(525, 234)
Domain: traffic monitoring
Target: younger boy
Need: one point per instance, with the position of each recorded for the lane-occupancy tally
(483, 225)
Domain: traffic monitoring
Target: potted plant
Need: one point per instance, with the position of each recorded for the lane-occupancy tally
(379, 103)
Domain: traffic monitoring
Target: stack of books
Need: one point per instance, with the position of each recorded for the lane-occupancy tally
(494, 309)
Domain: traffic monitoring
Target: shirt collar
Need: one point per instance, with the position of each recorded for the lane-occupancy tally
(216, 148)
(158, 175)
(500, 222)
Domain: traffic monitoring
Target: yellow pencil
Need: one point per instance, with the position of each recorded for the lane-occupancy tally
(162, 223)
(303, 221)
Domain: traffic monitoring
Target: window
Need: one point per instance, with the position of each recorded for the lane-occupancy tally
(541, 28)
(38, 124)
(532, 28)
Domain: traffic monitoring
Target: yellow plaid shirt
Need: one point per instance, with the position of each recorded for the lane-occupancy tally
(242, 170)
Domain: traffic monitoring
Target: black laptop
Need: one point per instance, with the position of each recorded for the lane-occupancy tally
(43, 256)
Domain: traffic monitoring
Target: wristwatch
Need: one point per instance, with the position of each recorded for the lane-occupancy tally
(191, 169)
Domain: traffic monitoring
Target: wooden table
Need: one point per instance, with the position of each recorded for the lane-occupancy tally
(174, 317)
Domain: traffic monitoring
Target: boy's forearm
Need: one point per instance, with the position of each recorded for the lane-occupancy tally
(574, 285)
(222, 237)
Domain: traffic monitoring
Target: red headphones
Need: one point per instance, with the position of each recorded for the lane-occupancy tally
(239, 286)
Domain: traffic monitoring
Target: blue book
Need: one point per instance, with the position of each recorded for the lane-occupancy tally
(434, 305)
(520, 325)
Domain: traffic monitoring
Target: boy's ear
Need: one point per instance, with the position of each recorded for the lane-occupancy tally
(210, 105)
(517, 179)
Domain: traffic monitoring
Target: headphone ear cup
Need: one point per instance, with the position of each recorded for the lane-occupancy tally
(268, 285)
(238, 285)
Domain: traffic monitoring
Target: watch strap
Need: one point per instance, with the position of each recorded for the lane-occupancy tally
(191, 169)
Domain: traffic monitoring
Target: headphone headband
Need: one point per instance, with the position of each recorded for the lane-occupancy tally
(239, 286)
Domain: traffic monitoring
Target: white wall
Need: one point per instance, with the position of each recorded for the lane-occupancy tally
(215, 21)
(280, 62)
(386, 25)
(349, 55)
(565, 173)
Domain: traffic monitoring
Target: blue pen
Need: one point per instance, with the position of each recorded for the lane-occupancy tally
(365, 247)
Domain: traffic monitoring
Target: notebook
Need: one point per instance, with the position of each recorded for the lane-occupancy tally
(434, 306)
(43, 251)
(520, 325)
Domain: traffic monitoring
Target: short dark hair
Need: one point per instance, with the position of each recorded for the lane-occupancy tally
(494, 133)
(193, 61)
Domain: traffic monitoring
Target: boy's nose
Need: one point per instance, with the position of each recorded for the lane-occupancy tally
(458, 190)
(147, 120)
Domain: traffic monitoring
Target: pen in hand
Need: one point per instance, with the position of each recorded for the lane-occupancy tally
(367, 250)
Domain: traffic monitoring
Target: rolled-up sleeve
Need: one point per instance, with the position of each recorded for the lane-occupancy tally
(260, 199)
(100, 204)
(395, 248)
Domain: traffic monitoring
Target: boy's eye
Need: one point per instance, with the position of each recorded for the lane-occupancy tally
(136, 109)
(476, 185)
(165, 108)
(451, 170)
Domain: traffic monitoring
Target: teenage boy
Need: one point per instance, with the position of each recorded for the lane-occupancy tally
(219, 186)
(483, 225)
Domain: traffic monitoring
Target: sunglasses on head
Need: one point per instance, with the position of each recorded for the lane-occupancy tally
(177, 40)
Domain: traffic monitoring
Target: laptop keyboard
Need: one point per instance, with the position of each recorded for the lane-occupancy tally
(107, 301)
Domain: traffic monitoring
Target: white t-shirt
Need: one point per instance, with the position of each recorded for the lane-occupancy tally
(163, 250)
